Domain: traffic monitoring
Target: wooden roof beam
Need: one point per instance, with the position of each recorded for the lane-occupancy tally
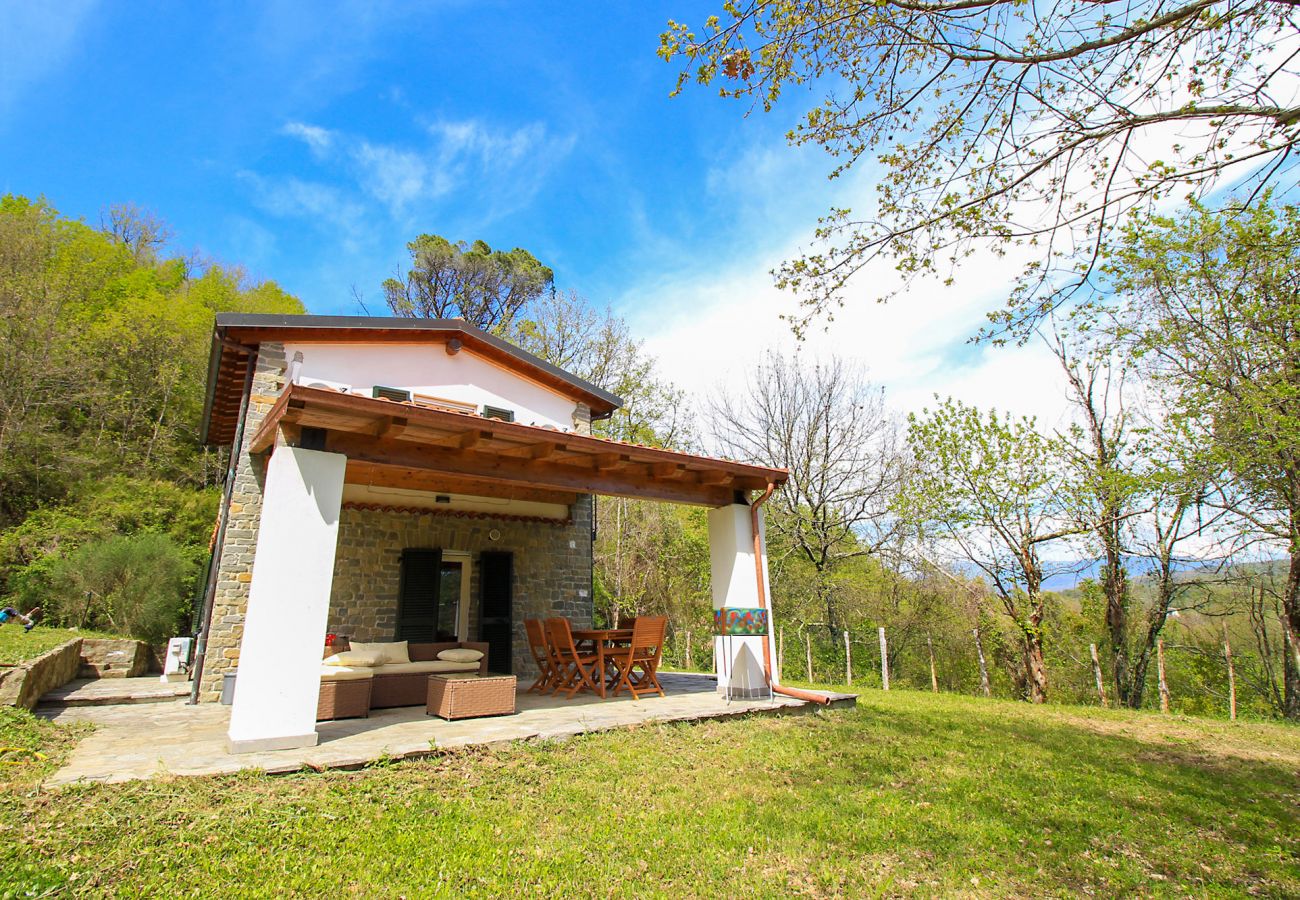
(505, 471)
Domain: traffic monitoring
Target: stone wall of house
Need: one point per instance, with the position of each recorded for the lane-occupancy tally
(552, 568)
(235, 569)
(582, 419)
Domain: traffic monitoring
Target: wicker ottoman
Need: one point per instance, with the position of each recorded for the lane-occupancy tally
(455, 696)
(344, 699)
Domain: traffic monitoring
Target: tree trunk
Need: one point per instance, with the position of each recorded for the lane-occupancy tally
(1232, 675)
(984, 667)
(1115, 585)
(1160, 668)
(884, 660)
(1291, 622)
(1096, 673)
(934, 674)
(1035, 668)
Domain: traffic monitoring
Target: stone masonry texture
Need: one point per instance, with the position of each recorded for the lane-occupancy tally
(552, 563)
(552, 569)
(235, 569)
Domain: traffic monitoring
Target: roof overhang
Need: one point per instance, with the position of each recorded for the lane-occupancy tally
(236, 335)
(402, 445)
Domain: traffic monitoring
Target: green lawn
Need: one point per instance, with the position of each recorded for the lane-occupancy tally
(18, 646)
(908, 794)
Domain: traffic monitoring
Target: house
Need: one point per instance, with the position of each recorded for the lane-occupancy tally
(397, 478)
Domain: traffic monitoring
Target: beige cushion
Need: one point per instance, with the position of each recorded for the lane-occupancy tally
(387, 651)
(433, 665)
(461, 654)
(345, 673)
(352, 658)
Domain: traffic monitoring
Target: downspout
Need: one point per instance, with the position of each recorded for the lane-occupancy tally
(214, 564)
(762, 602)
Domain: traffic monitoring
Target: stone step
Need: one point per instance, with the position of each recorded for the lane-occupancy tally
(113, 691)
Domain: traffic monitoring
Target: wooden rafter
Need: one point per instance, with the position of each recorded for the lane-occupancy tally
(503, 458)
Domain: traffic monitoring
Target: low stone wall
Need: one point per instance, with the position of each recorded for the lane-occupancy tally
(114, 658)
(23, 685)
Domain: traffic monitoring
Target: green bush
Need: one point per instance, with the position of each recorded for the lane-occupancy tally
(137, 585)
(96, 511)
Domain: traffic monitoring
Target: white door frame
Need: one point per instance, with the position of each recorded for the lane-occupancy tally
(465, 558)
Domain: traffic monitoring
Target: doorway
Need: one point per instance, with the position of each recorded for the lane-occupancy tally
(433, 596)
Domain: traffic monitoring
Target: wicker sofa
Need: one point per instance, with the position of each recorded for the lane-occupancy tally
(344, 689)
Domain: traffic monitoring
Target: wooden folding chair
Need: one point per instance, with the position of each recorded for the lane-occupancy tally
(575, 669)
(542, 655)
(643, 653)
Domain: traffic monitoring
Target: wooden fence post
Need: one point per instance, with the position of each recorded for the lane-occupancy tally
(780, 652)
(1232, 676)
(807, 636)
(688, 649)
(1096, 671)
(848, 659)
(934, 675)
(1160, 670)
(884, 660)
(984, 669)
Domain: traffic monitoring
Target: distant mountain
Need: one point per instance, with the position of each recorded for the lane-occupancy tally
(1067, 574)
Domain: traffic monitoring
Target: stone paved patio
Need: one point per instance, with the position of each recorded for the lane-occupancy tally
(109, 691)
(173, 738)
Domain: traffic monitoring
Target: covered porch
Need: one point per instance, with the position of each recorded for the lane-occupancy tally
(328, 453)
(150, 740)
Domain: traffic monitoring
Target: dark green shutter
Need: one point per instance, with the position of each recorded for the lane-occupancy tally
(496, 608)
(417, 595)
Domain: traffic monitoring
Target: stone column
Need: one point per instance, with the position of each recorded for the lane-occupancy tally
(582, 419)
(235, 567)
(738, 661)
(288, 602)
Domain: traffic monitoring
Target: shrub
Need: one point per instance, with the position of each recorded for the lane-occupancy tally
(31, 551)
(138, 585)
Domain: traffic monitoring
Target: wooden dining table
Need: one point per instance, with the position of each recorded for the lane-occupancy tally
(602, 639)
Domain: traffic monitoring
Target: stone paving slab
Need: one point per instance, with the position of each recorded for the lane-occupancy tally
(155, 739)
(110, 691)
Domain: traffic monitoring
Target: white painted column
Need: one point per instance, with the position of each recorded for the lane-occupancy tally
(738, 661)
(288, 602)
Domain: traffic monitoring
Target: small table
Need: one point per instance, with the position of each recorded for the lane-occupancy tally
(602, 637)
(470, 696)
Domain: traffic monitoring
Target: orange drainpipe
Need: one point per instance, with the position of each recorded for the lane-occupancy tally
(762, 602)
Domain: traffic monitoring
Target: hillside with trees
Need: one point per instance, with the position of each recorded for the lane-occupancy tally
(942, 528)
(107, 500)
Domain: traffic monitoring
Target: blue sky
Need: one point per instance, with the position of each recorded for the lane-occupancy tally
(310, 141)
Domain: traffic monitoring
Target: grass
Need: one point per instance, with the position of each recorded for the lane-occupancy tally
(17, 646)
(910, 793)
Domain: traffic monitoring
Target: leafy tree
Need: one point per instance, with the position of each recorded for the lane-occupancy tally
(829, 426)
(1214, 314)
(566, 330)
(993, 489)
(138, 585)
(103, 351)
(1001, 122)
(485, 287)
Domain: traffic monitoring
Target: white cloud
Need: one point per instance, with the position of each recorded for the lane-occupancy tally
(504, 166)
(397, 178)
(320, 203)
(320, 140)
(709, 330)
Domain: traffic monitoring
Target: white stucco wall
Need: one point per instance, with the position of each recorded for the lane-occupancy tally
(738, 661)
(428, 369)
(277, 687)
